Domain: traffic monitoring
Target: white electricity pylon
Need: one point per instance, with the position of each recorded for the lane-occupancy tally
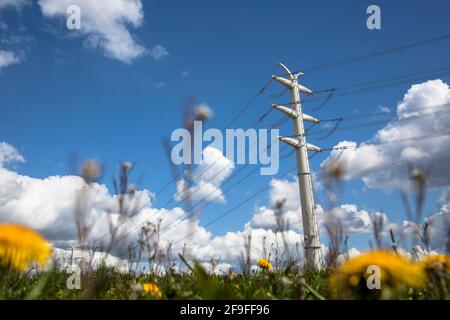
(311, 242)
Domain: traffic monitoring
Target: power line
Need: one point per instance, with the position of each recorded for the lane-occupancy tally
(135, 214)
(248, 104)
(332, 90)
(366, 124)
(366, 39)
(230, 188)
(401, 140)
(241, 110)
(191, 215)
(381, 86)
(433, 135)
(396, 77)
(408, 77)
(409, 118)
(223, 192)
(292, 169)
(239, 113)
(343, 128)
(392, 84)
(196, 209)
(283, 120)
(382, 113)
(346, 61)
(240, 204)
(381, 83)
(378, 53)
(328, 65)
(443, 113)
(229, 165)
(197, 190)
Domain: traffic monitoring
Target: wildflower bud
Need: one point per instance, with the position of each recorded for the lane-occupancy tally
(132, 189)
(417, 175)
(126, 166)
(203, 112)
(90, 171)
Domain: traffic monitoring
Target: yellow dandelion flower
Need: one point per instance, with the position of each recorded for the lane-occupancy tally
(436, 262)
(396, 273)
(21, 246)
(153, 290)
(264, 264)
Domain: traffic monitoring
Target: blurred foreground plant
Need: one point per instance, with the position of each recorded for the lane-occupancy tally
(397, 275)
(437, 268)
(20, 247)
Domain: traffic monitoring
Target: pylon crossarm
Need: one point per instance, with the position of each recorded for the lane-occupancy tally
(312, 147)
(293, 142)
(287, 111)
(285, 82)
(304, 89)
(310, 119)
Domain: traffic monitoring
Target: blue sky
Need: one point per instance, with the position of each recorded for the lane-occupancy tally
(66, 99)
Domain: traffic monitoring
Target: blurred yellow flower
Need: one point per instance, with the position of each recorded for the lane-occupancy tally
(396, 273)
(153, 290)
(436, 262)
(21, 246)
(264, 264)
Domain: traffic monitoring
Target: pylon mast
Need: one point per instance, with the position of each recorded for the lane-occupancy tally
(311, 242)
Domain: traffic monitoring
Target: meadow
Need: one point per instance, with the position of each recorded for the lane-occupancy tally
(107, 283)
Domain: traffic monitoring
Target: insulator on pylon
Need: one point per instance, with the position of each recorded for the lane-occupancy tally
(307, 117)
(312, 147)
(293, 142)
(285, 82)
(304, 89)
(287, 111)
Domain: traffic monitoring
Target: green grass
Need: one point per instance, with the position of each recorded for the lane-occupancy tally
(106, 283)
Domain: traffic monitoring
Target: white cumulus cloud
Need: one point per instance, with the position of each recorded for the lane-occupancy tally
(386, 165)
(348, 216)
(9, 154)
(207, 178)
(106, 24)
